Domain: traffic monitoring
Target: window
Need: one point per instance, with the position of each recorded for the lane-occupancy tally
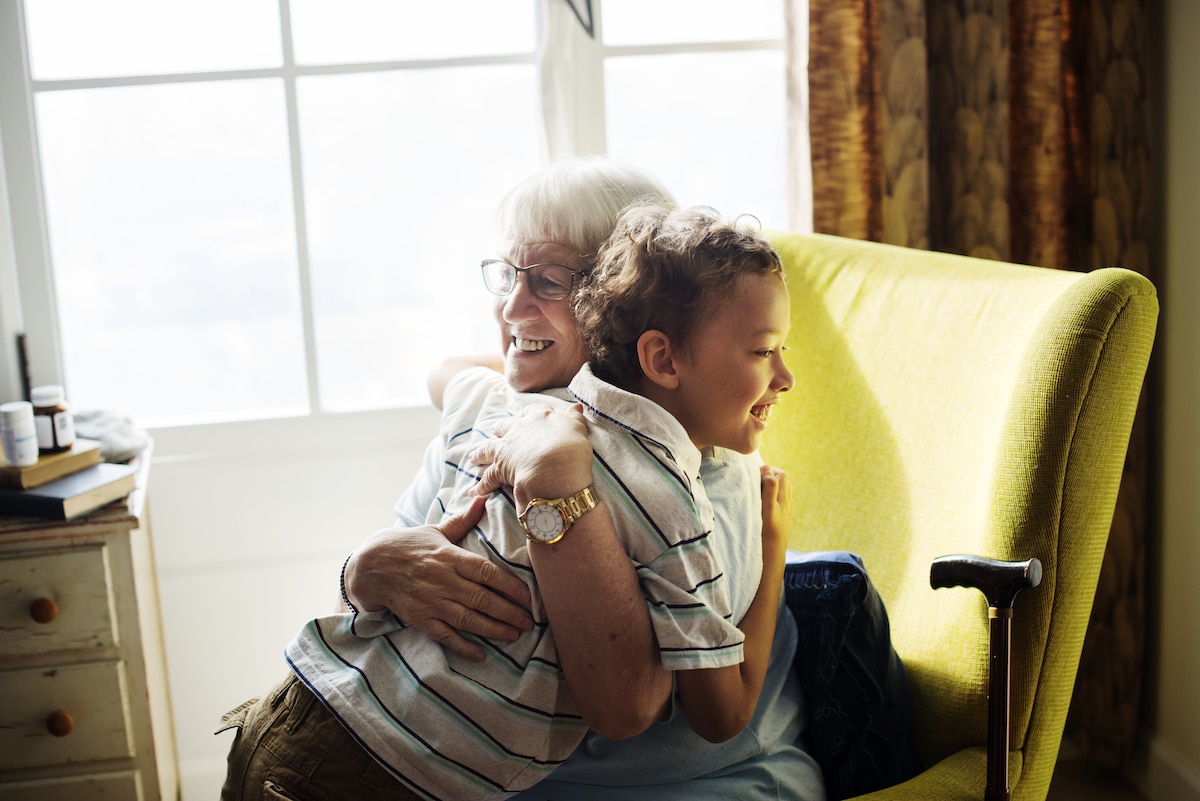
(240, 209)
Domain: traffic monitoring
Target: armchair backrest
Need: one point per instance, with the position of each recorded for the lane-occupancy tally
(945, 404)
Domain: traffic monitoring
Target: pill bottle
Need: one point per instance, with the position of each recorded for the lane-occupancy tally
(18, 433)
(55, 426)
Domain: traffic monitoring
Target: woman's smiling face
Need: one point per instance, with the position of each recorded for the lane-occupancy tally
(539, 338)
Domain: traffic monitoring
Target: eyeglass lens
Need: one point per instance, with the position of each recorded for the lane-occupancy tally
(546, 281)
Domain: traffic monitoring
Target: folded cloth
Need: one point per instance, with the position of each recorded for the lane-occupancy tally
(854, 682)
(120, 438)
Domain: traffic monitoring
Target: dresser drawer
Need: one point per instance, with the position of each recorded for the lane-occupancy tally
(92, 694)
(68, 589)
(122, 786)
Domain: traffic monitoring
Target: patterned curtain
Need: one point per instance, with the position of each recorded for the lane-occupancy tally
(1004, 129)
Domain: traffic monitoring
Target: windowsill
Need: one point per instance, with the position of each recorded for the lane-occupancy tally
(308, 435)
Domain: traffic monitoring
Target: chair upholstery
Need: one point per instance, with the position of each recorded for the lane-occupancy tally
(945, 404)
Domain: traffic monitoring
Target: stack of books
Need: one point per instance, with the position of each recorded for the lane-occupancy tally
(64, 485)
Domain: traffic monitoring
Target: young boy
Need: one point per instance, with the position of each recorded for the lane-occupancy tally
(686, 317)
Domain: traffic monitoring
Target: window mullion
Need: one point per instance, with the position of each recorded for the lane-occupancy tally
(303, 262)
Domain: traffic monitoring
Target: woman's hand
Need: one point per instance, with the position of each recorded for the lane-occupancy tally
(541, 452)
(424, 578)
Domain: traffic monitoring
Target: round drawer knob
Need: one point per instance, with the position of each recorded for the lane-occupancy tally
(43, 610)
(60, 723)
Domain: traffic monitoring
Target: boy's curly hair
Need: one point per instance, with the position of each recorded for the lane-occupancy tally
(663, 270)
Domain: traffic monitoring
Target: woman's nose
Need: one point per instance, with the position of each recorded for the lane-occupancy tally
(521, 303)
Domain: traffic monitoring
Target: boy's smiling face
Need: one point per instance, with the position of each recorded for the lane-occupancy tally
(731, 372)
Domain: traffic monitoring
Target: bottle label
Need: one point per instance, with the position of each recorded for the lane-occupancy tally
(20, 447)
(64, 430)
(45, 431)
(55, 432)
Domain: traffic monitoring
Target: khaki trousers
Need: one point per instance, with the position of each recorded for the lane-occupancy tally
(290, 747)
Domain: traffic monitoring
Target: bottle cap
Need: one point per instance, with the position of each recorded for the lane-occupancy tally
(16, 413)
(49, 395)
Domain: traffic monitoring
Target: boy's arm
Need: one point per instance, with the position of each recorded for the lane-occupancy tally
(440, 376)
(718, 702)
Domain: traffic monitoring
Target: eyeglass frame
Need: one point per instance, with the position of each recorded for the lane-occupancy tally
(483, 266)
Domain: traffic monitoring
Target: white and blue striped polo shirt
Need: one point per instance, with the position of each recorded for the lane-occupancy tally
(455, 729)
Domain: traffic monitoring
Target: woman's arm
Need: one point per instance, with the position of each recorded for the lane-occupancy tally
(719, 702)
(440, 376)
(591, 593)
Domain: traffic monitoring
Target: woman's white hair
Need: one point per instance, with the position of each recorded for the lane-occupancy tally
(576, 202)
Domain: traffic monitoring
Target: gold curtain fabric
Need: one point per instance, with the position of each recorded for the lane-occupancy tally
(1014, 130)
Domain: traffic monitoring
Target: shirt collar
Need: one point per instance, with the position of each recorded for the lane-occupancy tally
(636, 414)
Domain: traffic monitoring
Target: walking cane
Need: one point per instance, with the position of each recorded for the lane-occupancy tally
(999, 582)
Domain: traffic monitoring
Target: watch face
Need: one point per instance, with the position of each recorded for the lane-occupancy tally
(544, 523)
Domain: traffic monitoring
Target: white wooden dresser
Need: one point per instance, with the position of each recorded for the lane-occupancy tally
(84, 707)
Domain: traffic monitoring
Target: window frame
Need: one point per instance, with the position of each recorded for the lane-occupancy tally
(570, 62)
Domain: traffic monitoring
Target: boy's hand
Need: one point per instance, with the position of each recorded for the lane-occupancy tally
(777, 508)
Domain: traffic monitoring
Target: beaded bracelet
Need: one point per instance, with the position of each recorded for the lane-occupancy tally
(342, 584)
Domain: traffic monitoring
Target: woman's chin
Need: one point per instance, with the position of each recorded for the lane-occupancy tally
(528, 373)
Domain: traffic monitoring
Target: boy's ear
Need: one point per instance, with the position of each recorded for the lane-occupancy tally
(657, 357)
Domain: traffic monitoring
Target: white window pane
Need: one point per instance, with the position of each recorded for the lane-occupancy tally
(172, 235)
(90, 39)
(361, 31)
(636, 22)
(716, 139)
(403, 171)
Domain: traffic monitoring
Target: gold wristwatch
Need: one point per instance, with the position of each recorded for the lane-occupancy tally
(547, 519)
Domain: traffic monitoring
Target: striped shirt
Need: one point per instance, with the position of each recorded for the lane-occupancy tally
(455, 729)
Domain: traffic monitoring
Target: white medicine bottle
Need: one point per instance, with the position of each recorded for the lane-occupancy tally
(18, 434)
(53, 420)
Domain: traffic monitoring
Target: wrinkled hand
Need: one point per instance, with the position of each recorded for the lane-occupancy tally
(424, 578)
(541, 452)
(777, 509)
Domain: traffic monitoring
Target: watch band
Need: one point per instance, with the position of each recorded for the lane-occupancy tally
(578, 505)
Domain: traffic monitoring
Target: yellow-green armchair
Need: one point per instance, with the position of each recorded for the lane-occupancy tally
(948, 405)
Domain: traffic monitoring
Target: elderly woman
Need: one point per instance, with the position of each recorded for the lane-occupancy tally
(558, 217)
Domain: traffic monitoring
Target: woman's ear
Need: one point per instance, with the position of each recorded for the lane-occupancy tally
(657, 357)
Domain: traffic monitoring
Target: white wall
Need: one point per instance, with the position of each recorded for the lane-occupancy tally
(1172, 768)
(251, 523)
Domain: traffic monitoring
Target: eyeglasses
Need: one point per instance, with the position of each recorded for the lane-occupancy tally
(546, 281)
